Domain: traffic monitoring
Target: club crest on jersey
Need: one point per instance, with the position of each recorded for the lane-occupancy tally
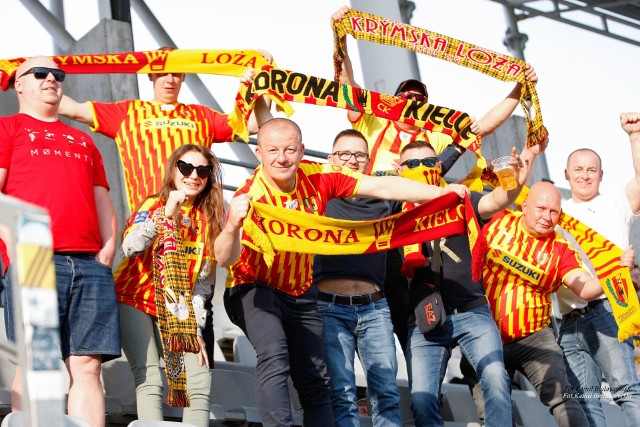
(310, 204)
(619, 288)
(542, 257)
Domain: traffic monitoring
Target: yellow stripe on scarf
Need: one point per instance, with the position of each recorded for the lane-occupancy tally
(273, 228)
(284, 85)
(615, 280)
(225, 62)
(365, 26)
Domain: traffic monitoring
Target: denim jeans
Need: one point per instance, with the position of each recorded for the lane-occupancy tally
(476, 333)
(287, 333)
(540, 359)
(592, 350)
(366, 329)
(88, 308)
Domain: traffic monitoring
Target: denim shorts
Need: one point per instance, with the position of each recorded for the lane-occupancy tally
(88, 308)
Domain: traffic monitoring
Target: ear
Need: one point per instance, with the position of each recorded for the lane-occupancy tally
(17, 84)
(151, 77)
(566, 175)
(396, 166)
(258, 153)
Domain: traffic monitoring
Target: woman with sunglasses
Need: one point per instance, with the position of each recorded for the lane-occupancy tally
(185, 215)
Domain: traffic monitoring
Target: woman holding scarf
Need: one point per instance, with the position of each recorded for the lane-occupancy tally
(163, 282)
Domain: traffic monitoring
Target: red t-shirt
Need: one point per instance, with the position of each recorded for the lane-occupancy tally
(147, 133)
(316, 184)
(55, 166)
(5, 256)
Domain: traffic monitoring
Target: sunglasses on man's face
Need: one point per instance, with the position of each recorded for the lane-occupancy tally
(41, 73)
(187, 168)
(414, 96)
(429, 162)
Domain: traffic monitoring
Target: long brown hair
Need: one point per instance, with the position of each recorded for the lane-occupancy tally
(210, 200)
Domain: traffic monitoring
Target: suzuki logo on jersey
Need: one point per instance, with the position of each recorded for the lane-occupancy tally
(519, 267)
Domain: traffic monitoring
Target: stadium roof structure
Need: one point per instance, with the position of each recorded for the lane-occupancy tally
(618, 19)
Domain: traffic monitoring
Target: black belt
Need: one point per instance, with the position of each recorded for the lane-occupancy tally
(351, 299)
(578, 312)
(474, 303)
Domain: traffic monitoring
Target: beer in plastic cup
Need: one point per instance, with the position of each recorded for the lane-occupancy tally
(506, 174)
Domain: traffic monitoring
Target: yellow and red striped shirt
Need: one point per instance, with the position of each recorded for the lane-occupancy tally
(147, 133)
(134, 276)
(316, 183)
(386, 139)
(521, 272)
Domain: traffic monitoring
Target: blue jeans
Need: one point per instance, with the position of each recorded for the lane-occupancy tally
(286, 332)
(476, 333)
(592, 350)
(366, 329)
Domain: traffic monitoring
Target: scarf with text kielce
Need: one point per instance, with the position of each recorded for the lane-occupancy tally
(272, 228)
(284, 85)
(174, 309)
(365, 26)
(223, 62)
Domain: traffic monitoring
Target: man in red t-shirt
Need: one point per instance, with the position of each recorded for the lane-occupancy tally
(276, 306)
(527, 260)
(50, 164)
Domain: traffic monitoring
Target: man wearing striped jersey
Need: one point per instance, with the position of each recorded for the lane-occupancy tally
(147, 132)
(276, 306)
(526, 261)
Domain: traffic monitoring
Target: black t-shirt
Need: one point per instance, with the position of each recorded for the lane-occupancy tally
(370, 267)
(456, 286)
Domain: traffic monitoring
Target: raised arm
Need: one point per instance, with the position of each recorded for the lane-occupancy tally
(346, 74)
(75, 110)
(403, 189)
(503, 110)
(108, 224)
(227, 245)
(630, 122)
(499, 199)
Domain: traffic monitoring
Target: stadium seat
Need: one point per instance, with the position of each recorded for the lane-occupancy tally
(457, 404)
(16, 419)
(529, 411)
(243, 351)
(150, 423)
(233, 391)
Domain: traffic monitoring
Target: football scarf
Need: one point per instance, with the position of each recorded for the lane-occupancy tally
(284, 85)
(376, 29)
(223, 62)
(272, 228)
(174, 308)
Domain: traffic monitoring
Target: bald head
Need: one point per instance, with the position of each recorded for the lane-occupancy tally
(36, 61)
(282, 126)
(39, 92)
(280, 151)
(541, 209)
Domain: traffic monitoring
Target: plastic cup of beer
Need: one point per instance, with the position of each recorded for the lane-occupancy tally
(506, 174)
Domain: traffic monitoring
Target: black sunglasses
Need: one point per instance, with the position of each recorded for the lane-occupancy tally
(187, 168)
(429, 162)
(41, 73)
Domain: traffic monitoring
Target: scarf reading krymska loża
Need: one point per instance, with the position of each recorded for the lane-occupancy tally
(176, 319)
(377, 29)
